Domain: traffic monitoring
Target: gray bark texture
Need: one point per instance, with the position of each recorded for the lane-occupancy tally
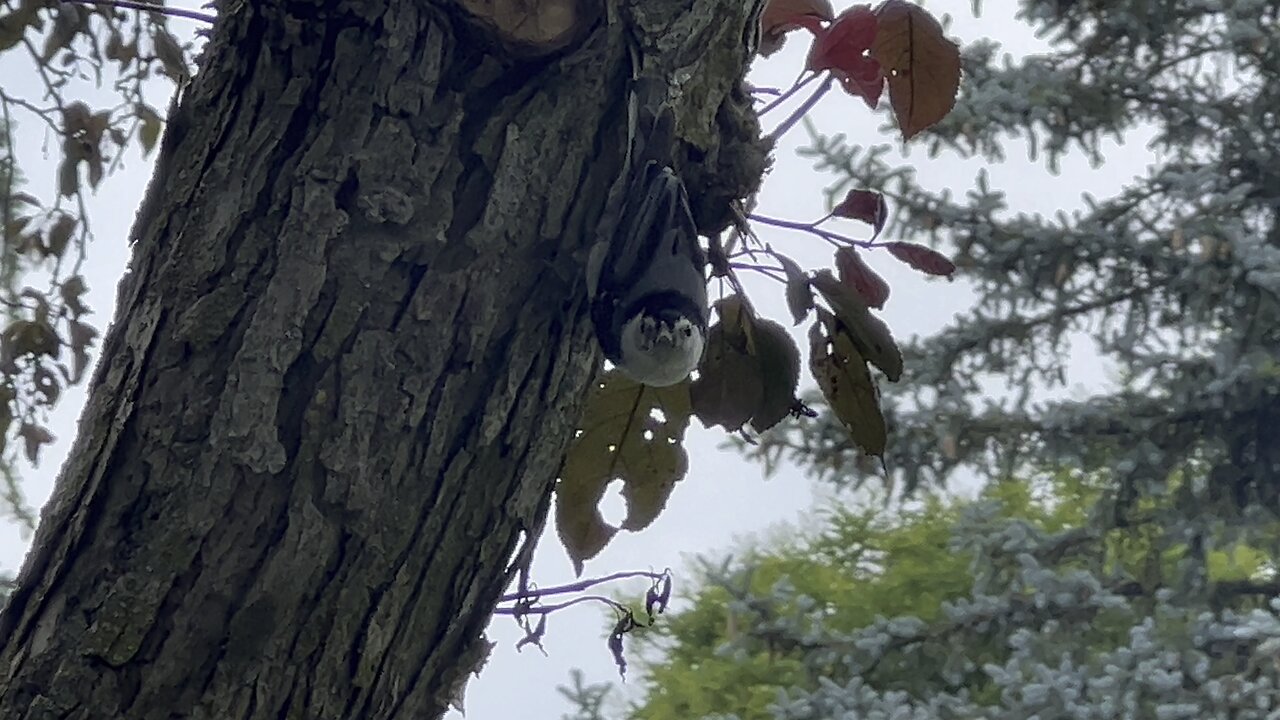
(347, 360)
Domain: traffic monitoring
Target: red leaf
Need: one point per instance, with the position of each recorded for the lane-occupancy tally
(859, 276)
(783, 16)
(843, 49)
(864, 205)
(922, 65)
(926, 260)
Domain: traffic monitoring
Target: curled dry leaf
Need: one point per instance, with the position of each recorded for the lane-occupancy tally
(80, 336)
(872, 336)
(782, 16)
(728, 389)
(149, 130)
(921, 64)
(864, 205)
(71, 290)
(30, 337)
(630, 432)
(842, 374)
(60, 235)
(749, 373)
(799, 292)
(858, 275)
(34, 436)
(924, 259)
(778, 361)
(843, 49)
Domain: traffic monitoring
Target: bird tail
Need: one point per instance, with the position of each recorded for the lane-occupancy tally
(653, 137)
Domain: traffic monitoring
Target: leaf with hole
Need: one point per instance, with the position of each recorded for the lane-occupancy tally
(842, 375)
(630, 432)
(871, 335)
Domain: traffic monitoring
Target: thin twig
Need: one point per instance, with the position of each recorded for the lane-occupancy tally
(769, 272)
(801, 81)
(581, 585)
(162, 10)
(522, 610)
(803, 109)
(834, 238)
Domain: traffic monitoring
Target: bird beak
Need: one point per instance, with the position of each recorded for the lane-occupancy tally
(666, 335)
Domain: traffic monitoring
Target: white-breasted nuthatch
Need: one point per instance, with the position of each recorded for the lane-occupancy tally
(647, 283)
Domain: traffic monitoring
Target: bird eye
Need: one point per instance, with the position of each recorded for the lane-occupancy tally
(688, 332)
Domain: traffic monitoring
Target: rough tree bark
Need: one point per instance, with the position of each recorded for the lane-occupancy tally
(346, 361)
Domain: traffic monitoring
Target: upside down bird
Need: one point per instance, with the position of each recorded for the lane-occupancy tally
(647, 280)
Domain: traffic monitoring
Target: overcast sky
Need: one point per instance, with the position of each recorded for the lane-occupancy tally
(723, 498)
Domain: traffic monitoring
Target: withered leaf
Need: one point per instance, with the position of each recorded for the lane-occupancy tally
(60, 235)
(149, 132)
(749, 372)
(68, 176)
(172, 58)
(799, 292)
(921, 64)
(782, 16)
(924, 259)
(858, 275)
(630, 432)
(871, 335)
(865, 205)
(778, 360)
(728, 389)
(33, 436)
(845, 381)
(46, 383)
(31, 337)
(81, 338)
(71, 290)
(842, 49)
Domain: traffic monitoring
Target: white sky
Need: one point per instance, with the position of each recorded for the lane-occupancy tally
(723, 497)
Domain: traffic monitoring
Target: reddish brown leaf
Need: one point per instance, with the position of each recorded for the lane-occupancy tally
(842, 48)
(921, 64)
(783, 16)
(856, 274)
(926, 260)
(864, 205)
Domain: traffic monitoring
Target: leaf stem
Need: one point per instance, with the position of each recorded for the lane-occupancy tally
(834, 238)
(803, 79)
(802, 110)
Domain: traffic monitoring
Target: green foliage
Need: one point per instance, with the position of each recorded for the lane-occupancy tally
(784, 617)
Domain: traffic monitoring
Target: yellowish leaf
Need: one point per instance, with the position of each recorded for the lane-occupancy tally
(630, 432)
(842, 374)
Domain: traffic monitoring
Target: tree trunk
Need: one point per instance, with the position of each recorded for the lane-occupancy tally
(346, 362)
